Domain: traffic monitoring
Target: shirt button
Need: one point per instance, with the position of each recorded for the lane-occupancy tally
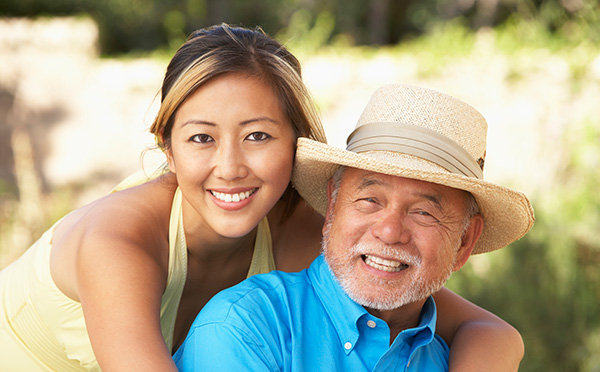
(348, 346)
(371, 324)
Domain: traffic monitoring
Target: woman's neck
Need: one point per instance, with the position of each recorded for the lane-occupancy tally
(212, 249)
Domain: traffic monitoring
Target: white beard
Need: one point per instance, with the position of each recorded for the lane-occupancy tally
(374, 292)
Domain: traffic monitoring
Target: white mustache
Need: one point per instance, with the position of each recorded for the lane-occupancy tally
(386, 252)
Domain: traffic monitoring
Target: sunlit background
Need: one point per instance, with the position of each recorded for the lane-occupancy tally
(78, 90)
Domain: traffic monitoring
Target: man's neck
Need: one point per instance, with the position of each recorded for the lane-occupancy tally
(405, 317)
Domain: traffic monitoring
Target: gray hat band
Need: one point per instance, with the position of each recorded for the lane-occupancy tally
(417, 141)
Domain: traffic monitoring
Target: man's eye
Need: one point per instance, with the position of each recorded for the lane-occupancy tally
(425, 216)
(258, 136)
(201, 138)
(368, 201)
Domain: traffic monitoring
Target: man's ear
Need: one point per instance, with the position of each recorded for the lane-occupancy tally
(329, 211)
(468, 241)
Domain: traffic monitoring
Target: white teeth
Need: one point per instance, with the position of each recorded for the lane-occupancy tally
(384, 265)
(229, 198)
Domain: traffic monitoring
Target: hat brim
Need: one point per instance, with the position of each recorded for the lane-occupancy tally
(508, 214)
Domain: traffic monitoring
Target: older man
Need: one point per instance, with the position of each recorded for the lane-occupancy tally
(405, 206)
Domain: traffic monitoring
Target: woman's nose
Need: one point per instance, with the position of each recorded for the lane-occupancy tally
(229, 162)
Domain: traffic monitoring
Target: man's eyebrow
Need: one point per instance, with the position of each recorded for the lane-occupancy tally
(435, 199)
(369, 181)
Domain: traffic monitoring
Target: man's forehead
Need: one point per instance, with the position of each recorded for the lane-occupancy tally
(364, 178)
(368, 178)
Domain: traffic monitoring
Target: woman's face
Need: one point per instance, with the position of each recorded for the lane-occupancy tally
(232, 150)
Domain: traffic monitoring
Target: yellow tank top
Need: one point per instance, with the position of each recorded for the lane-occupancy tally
(41, 327)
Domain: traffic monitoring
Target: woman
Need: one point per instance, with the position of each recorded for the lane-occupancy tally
(116, 284)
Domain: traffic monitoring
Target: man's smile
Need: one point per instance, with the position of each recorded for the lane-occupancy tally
(383, 264)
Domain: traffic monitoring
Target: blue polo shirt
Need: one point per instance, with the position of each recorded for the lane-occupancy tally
(304, 322)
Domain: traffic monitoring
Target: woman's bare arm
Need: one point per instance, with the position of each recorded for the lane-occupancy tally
(121, 275)
(478, 339)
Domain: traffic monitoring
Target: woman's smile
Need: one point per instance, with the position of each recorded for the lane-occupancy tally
(233, 200)
(233, 197)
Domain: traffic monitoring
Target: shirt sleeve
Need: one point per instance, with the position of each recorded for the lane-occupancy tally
(221, 347)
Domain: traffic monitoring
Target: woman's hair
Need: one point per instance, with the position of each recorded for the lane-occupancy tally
(218, 50)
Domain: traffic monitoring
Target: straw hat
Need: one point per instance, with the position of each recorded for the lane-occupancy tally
(422, 134)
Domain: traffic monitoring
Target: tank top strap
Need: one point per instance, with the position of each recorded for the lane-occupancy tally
(177, 273)
(177, 270)
(140, 177)
(262, 262)
(262, 258)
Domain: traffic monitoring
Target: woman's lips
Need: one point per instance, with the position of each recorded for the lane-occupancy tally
(233, 197)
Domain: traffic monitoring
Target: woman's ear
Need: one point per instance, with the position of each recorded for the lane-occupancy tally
(168, 151)
(170, 161)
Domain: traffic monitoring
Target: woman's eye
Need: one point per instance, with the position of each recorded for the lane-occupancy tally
(258, 136)
(201, 138)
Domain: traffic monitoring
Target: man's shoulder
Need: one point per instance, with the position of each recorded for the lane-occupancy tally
(247, 324)
(260, 294)
(271, 285)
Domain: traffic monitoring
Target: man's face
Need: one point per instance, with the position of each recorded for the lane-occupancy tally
(391, 241)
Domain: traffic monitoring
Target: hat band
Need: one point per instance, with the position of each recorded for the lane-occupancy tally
(417, 141)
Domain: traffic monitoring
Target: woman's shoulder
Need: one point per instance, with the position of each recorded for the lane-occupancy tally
(130, 224)
(134, 209)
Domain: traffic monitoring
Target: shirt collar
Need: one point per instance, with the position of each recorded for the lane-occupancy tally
(336, 302)
(425, 331)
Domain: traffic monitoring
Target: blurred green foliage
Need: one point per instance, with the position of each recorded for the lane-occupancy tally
(128, 25)
(548, 283)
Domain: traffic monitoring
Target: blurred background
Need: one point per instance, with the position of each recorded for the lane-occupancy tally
(78, 90)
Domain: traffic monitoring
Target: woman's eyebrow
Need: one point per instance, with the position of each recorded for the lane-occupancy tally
(198, 121)
(245, 122)
(260, 118)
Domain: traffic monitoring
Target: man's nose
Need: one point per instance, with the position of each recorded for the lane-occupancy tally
(229, 162)
(391, 228)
